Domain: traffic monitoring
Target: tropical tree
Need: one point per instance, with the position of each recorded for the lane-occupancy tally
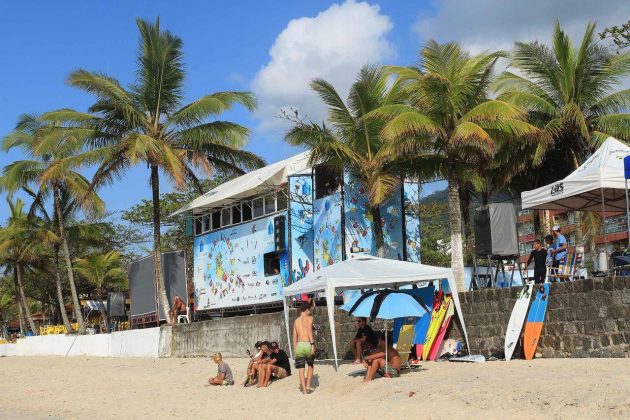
(449, 127)
(147, 124)
(104, 272)
(56, 152)
(353, 142)
(569, 93)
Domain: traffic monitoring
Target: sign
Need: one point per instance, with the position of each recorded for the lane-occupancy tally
(626, 167)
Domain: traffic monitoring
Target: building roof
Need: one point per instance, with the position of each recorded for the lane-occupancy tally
(252, 183)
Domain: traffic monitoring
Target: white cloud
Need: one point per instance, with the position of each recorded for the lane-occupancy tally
(495, 24)
(332, 45)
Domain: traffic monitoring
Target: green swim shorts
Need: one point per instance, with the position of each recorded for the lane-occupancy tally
(389, 371)
(303, 355)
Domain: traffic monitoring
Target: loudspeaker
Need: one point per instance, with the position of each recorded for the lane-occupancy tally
(279, 228)
(495, 230)
(116, 304)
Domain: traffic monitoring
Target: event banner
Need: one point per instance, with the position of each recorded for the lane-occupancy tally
(358, 221)
(327, 230)
(301, 225)
(411, 195)
(229, 266)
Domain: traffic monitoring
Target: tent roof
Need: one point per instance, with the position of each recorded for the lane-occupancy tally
(252, 183)
(366, 272)
(601, 174)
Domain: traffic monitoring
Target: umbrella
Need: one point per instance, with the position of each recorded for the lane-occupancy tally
(387, 304)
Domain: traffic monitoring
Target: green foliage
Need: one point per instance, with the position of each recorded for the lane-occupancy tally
(435, 234)
(618, 35)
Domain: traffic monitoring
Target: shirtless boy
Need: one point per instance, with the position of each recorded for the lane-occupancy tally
(304, 346)
(375, 362)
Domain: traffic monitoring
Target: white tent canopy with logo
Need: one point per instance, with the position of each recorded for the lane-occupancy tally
(597, 185)
(366, 272)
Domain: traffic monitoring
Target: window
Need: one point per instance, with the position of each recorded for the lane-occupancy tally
(327, 182)
(236, 214)
(226, 217)
(272, 263)
(198, 226)
(216, 220)
(206, 222)
(281, 201)
(246, 211)
(270, 204)
(258, 207)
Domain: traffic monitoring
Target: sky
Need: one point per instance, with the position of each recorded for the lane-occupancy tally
(270, 48)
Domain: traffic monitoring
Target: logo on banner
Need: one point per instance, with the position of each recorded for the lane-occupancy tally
(557, 188)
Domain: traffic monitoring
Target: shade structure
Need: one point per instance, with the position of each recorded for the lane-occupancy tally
(366, 272)
(252, 183)
(596, 185)
(393, 305)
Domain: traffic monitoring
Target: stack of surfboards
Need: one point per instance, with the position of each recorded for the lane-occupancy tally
(533, 324)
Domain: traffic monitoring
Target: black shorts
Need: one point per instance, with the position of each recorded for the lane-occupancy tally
(301, 362)
(540, 275)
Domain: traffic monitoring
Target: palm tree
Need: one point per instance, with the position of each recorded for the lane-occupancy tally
(56, 152)
(570, 94)
(146, 123)
(19, 249)
(353, 142)
(103, 271)
(449, 127)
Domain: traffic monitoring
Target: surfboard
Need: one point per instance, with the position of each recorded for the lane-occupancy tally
(517, 318)
(535, 320)
(437, 318)
(473, 358)
(437, 344)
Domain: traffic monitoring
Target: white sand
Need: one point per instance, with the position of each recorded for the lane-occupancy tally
(38, 387)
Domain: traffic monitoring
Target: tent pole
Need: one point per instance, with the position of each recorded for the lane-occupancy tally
(601, 190)
(627, 211)
(286, 321)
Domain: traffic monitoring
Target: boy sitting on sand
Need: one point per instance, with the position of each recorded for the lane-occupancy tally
(375, 362)
(224, 373)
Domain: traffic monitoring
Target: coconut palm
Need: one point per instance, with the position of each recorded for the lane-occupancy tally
(352, 142)
(147, 124)
(569, 93)
(449, 127)
(104, 272)
(56, 152)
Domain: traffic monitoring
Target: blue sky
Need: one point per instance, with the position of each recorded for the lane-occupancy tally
(272, 48)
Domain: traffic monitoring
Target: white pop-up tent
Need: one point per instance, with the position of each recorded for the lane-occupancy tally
(366, 272)
(597, 185)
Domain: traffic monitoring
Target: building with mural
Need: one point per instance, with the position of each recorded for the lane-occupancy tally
(271, 227)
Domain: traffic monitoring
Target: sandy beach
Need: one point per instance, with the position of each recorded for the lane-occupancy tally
(55, 387)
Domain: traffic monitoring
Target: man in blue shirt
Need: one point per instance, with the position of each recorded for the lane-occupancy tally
(560, 248)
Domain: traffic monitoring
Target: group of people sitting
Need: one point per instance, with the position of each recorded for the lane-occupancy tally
(375, 352)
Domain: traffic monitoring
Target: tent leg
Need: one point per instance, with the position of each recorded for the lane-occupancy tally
(627, 210)
(286, 321)
(601, 190)
(330, 306)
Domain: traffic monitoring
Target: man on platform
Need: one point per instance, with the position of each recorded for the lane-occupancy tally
(179, 308)
(560, 250)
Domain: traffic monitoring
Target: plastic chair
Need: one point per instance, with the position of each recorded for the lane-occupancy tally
(184, 318)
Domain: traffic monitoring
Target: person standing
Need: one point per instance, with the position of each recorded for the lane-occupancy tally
(539, 256)
(560, 248)
(304, 346)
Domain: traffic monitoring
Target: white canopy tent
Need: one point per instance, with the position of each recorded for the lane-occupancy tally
(252, 183)
(366, 273)
(597, 185)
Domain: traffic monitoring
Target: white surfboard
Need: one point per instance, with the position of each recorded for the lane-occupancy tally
(517, 318)
(473, 358)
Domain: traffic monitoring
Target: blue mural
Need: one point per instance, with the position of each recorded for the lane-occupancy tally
(327, 230)
(411, 194)
(301, 208)
(358, 221)
(229, 266)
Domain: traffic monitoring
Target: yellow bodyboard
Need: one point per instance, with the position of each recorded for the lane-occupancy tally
(437, 317)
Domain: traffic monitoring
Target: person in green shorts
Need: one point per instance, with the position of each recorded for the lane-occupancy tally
(304, 346)
(376, 363)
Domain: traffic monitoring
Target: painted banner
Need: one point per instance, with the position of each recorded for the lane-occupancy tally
(358, 221)
(327, 230)
(229, 266)
(411, 194)
(301, 208)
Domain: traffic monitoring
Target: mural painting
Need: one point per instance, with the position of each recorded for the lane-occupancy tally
(327, 230)
(229, 266)
(411, 195)
(301, 208)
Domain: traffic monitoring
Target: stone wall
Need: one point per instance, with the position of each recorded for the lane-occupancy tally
(585, 318)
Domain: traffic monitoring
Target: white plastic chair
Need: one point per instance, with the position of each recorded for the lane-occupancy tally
(184, 318)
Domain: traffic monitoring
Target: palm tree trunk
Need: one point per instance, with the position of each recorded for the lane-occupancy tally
(455, 219)
(464, 197)
(18, 300)
(27, 311)
(377, 228)
(66, 254)
(157, 246)
(62, 305)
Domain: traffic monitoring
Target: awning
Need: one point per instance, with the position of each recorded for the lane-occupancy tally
(600, 178)
(252, 183)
